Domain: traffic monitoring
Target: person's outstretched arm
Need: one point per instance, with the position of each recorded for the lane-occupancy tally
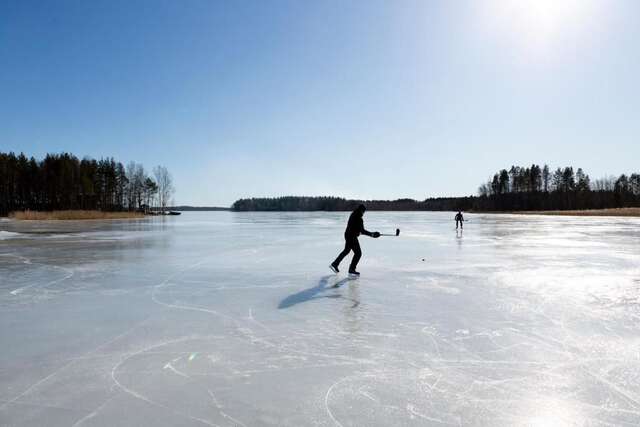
(368, 233)
(374, 234)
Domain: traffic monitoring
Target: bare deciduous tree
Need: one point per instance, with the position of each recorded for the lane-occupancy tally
(165, 186)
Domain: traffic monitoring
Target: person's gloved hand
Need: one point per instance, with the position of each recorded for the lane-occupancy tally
(376, 234)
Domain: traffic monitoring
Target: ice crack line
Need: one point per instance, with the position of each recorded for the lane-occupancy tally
(167, 281)
(92, 414)
(326, 399)
(139, 396)
(54, 373)
(28, 261)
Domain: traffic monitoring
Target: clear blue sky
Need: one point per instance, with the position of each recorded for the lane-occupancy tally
(368, 99)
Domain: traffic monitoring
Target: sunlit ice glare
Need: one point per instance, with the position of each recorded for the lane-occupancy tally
(547, 421)
(553, 413)
(538, 25)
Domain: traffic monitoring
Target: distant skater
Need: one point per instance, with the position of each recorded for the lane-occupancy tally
(459, 220)
(355, 227)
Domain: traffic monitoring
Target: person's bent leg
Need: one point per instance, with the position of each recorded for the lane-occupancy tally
(344, 253)
(357, 254)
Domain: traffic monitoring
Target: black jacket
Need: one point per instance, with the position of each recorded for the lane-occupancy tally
(355, 226)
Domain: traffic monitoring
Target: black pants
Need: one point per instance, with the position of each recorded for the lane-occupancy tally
(458, 221)
(350, 244)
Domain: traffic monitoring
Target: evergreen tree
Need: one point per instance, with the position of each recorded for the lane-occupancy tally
(62, 181)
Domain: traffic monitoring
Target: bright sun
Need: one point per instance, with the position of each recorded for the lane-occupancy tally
(546, 17)
(537, 25)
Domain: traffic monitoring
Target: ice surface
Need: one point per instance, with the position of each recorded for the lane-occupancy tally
(233, 319)
(8, 235)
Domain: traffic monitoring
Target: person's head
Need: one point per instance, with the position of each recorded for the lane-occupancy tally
(361, 209)
(460, 212)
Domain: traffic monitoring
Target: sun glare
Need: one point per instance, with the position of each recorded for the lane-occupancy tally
(546, 15)
(538, 25)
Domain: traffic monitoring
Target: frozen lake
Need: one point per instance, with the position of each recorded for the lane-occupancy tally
(234, 319)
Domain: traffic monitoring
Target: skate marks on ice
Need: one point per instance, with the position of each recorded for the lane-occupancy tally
(433, 344)
(281, 352)
(92, 353)
(58, 272)
(452, 377)
(456, 375)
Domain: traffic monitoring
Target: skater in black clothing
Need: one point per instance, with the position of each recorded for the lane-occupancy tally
(355, 227)
(459, 220)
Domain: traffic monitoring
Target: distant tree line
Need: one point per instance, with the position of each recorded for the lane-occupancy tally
(536, 188)
(516, 189)
(186, 208)
(62, 181)
(296, 203)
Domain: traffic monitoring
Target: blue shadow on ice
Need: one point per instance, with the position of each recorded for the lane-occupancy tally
(313, 293)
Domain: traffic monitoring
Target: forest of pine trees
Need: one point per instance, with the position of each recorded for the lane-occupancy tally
(530, 188)
(297, 203)
(536, 188)
(62, 181)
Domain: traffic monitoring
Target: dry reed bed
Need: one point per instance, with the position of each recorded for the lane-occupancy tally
(72, 215)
